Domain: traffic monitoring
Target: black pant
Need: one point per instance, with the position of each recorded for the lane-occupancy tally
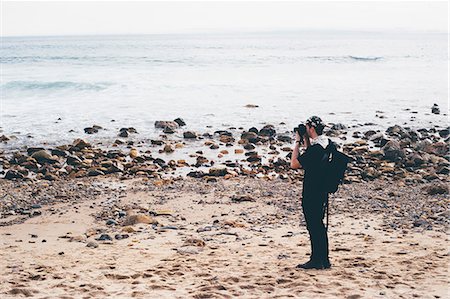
(314, 211)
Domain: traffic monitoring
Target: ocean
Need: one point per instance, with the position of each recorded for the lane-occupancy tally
(53, 87)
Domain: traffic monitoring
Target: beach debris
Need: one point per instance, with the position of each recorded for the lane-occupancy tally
(435, 109)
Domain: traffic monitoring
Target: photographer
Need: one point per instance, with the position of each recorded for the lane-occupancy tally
(314, 197)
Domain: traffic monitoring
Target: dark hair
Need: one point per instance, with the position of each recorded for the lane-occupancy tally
(316, 123)
(319, 130)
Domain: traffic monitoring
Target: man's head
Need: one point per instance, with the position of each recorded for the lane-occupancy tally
(314, 126)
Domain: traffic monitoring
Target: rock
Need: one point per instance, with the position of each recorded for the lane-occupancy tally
(194, 242)
(134, 153)
(13, 175)
(444, 133)
(370, 173)
(43, 156)
(437, 188)
(338, 127)
(414, 160)
(121, 236)
(392, 151)
(220, 170)
(50, 177)
(196, 174)
(123, 134)
(4, 138)
(168, 130)
(79, 144)
(250, 137)
(128, 229)
(160, 124)
(188, 250)
(168, 148)
(238, 151)
(95, 172)
(249, 146)
(92, 244)
(32, 150)
(251, 106)
(284, 138)
(90, 130)
(111, 222)
(73, 160)
(438, 148)
(435, 109)
(180, 122)
(190, 135)
(226, 139)
(139, 218)
(104, 237)
(267, 131)
(242, 198)
(214, 146)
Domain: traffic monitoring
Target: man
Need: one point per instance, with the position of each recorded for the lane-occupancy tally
(314, 198)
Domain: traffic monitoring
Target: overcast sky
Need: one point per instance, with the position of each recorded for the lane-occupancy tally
(64, 18)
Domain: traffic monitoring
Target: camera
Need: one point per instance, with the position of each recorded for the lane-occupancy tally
(301, 129)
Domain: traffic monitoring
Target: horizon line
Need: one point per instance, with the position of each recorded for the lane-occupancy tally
(244, 31)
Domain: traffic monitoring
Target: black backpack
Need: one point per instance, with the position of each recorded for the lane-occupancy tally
(334, 164)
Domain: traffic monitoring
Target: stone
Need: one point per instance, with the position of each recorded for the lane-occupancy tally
(370, 173)
(90, 130)
(169, 130)
(284, 138)
(13, 175)
(168, 148)
(217, 171)
(267, 131)
(160, 124)
(250, 137)
(444, 133)
(134, 153)
(139, 218)
(180, 122)
(249, 146)
(92, 244)
(196, 174)
(111, 222)
(123, 134)
(226, 139)
(190, 135)
(79, 144)
(251, 106)
(339, 127)
(437, 188)
(438, 148)
(43, 156)
(4, 138)
(435, 109)
(104, 237)
(392, 151)
(95, 172)
(242, 198)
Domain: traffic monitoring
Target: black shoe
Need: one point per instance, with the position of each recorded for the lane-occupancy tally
(310, 265)
(326, 264)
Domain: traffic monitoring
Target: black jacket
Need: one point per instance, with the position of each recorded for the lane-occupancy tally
(311, 161)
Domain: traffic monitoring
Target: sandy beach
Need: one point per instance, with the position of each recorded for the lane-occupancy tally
(117, 224)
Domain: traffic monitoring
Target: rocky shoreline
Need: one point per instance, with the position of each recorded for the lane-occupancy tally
(406, 157)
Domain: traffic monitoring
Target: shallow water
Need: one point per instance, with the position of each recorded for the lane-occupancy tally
(208, 79)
